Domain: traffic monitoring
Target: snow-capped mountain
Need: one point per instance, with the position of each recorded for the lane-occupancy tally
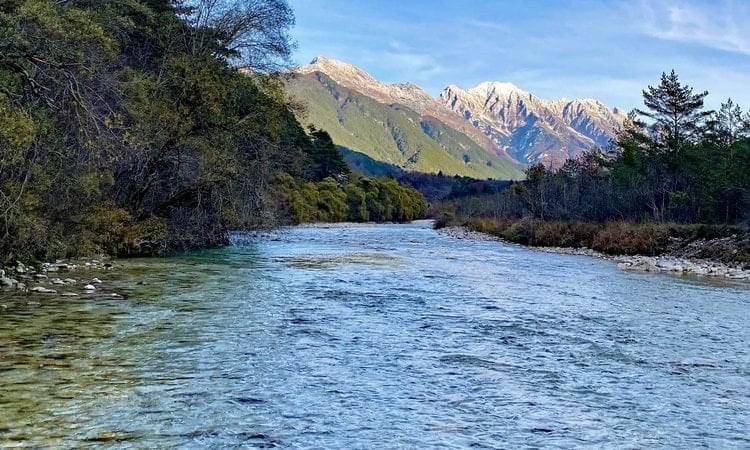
(407, 94)
(530, 128)
(500, 117)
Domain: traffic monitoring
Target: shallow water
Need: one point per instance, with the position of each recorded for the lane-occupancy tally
(379, 336)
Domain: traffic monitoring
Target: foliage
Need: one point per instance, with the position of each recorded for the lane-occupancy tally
(143, 126)
(356, 199)
(687, 166)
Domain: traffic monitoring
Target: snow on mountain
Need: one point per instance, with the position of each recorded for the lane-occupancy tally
(501, 117)
(532, 129)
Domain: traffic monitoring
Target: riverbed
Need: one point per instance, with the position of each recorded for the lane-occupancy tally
(379, 336)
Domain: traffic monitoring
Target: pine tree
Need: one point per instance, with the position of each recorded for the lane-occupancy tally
(730, 123)
(676, 112)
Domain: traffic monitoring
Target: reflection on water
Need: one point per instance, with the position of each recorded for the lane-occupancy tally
(378, 336)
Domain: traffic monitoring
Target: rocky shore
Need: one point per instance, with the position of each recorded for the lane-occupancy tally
(675, 263)
(63, 278)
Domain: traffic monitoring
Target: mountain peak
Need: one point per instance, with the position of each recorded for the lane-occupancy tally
(499, 88)
(338, 70)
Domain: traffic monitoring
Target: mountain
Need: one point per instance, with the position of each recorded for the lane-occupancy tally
(383, 122)
(486, 131)
(406, 94)
(531, 129)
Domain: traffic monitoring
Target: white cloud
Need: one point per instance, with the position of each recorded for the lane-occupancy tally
(722, 25)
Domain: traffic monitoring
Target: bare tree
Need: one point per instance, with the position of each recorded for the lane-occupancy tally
(250, 33)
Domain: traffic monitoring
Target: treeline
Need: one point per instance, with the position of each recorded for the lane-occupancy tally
(128, 127)
(434, 187)
(673, 162)
(358, 199)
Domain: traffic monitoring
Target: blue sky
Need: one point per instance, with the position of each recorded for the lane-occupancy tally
(609, 50)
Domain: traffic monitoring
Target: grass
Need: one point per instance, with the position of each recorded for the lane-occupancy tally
(618, 238)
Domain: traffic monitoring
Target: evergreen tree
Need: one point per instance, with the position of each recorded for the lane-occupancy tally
(325, 159)
(676, 112)
(729, 123)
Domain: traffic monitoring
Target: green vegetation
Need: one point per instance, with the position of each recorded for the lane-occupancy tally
(359, 199)
(127, 128)
(685, 166)
(394, 134)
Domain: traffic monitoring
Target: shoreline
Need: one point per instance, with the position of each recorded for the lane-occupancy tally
(63, 278)
(666, 263)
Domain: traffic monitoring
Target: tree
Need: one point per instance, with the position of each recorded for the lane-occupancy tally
(324, 158)
(676, 112)
(252, 33)
(730, 123)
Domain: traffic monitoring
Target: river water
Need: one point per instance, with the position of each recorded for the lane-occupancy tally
(379, 336)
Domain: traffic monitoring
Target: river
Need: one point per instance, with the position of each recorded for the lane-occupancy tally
(379, 336)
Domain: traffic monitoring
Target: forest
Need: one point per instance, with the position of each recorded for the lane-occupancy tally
(144, 126)
(675, 163)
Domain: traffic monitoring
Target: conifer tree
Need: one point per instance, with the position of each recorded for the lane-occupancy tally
(677, 113)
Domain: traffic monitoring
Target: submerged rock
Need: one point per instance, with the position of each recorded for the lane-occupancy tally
(43, 290)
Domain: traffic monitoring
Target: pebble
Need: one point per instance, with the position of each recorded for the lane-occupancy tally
(631, 263)
(43, 290)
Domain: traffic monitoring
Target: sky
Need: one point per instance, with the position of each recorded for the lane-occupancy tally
(607, 50)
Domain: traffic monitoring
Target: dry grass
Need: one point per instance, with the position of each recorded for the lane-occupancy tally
(615, 238)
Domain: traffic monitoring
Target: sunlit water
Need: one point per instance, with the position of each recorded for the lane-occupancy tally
(379, 336)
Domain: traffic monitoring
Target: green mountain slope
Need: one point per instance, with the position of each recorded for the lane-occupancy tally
(393, 133)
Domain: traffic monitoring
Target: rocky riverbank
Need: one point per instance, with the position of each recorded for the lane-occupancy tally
(678, 260)
(64, 278)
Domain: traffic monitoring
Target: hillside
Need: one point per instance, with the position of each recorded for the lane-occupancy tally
(393, 133)
(500, 118)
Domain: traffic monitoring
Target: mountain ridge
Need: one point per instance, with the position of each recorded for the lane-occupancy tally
(500, 117)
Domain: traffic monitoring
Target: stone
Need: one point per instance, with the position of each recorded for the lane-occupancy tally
(96, 281)
(43, 290)
(21, 286)
(69, 294)
(40, 276)
(70, 281)
(89, 287)
(57, 281)
(8, 282)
